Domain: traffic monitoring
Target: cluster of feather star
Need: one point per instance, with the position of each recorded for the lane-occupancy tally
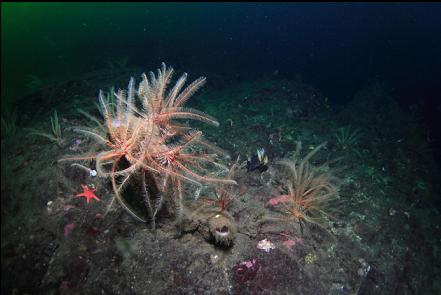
(141, 137)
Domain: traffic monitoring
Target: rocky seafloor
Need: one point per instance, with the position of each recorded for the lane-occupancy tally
(385, 239)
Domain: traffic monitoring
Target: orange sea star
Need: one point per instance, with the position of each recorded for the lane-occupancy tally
(88, 193)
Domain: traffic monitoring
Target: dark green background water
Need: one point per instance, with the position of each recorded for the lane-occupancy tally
(338, 48)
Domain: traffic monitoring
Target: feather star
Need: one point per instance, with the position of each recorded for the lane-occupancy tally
(88, 193)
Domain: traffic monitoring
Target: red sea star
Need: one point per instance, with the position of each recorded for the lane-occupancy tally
(88, 193)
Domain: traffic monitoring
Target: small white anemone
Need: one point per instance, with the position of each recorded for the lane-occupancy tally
(261, 156)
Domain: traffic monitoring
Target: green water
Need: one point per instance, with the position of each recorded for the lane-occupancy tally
(55, 41)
